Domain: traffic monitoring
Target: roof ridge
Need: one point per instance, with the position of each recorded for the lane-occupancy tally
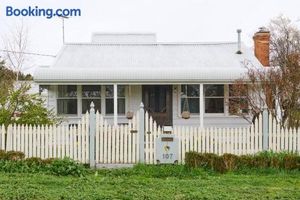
(123, 33)
(149, 43)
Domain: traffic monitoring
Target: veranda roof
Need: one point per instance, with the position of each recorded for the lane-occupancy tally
(147, 63)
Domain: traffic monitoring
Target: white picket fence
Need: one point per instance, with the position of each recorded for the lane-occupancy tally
(49, 141)
(120, 144)
(116, 144)
(239, 141)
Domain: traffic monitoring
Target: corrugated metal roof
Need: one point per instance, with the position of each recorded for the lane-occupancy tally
(157, 62)
(123, 37)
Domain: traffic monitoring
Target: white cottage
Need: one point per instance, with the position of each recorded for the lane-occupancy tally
(118, 71)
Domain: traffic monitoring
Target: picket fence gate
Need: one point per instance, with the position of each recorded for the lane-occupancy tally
(120, 144)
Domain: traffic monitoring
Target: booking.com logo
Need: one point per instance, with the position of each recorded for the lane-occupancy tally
(42, 12)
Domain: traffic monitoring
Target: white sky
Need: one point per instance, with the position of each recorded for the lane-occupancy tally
(172, 20)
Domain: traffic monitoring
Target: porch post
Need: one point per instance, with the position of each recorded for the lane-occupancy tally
(141, 132)
(92, 132)
(265, 127)
(201, 106)
(115, 104)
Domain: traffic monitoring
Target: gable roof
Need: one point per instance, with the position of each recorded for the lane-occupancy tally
(147, 63)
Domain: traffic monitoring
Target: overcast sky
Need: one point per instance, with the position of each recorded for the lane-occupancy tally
(172, 20)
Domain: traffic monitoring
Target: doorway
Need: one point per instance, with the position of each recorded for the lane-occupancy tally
(157, 100)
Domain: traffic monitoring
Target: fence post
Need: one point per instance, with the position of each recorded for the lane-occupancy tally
(92, 130)
(141, 133)
(265, 128)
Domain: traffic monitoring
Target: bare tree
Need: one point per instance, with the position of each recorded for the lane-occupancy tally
(15, 44)
(276, 87)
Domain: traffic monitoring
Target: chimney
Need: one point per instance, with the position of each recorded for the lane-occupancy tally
(239, 50)
(262, 46)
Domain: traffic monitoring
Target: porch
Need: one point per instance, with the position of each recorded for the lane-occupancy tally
(207, 103)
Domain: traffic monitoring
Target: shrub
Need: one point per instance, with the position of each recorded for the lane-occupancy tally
(229, 162)
(48, 161)
(14, 155)
(245, 161)
(34, 161)
(261, 161)
(66, 166)
(218, 164)
(13, 161)
(205, 160)
(291, 162)
(192, 159)
(2, 154)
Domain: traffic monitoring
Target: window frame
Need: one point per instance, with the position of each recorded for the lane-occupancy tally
(191, 97)
(112, 98)
(58, 98)
(215, 97)
(91, 98)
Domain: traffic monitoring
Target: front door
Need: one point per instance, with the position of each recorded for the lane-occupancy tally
(157, 100)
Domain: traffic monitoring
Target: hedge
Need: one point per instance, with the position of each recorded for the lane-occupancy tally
(231, 162)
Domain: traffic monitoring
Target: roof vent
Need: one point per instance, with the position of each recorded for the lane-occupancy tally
(239, 51)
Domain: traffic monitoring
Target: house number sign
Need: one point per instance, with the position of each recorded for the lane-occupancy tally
(167, 150)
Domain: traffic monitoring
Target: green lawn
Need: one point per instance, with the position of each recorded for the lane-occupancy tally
(152, 183)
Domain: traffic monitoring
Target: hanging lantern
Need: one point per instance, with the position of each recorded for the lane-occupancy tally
(129, 115)
(186, 110)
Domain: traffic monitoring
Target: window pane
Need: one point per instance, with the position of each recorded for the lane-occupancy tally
(109, 91)
(121, 91)
(109, 109)
(214, 90)
(121, 106)
(193, 105)
(214, 105)
(190, 90)
(87, 102)
(67, 91)
(91, 91)
(109, 106)
(67, 106)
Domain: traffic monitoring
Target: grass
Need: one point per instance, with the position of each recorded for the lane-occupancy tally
(153, 182)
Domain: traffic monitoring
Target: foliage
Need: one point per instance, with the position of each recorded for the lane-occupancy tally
(7, 78)
(230, 162)
(278, 86)
(14, 155)
(66, 166)
(14, 161)
(153, 171)
(140, 184)
(20, 107)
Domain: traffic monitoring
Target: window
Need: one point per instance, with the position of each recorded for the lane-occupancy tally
(190, 98)
(43, 88)
(109, 99)
(67, 99)
(214, 98)
(237, 100)
(91, 93)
